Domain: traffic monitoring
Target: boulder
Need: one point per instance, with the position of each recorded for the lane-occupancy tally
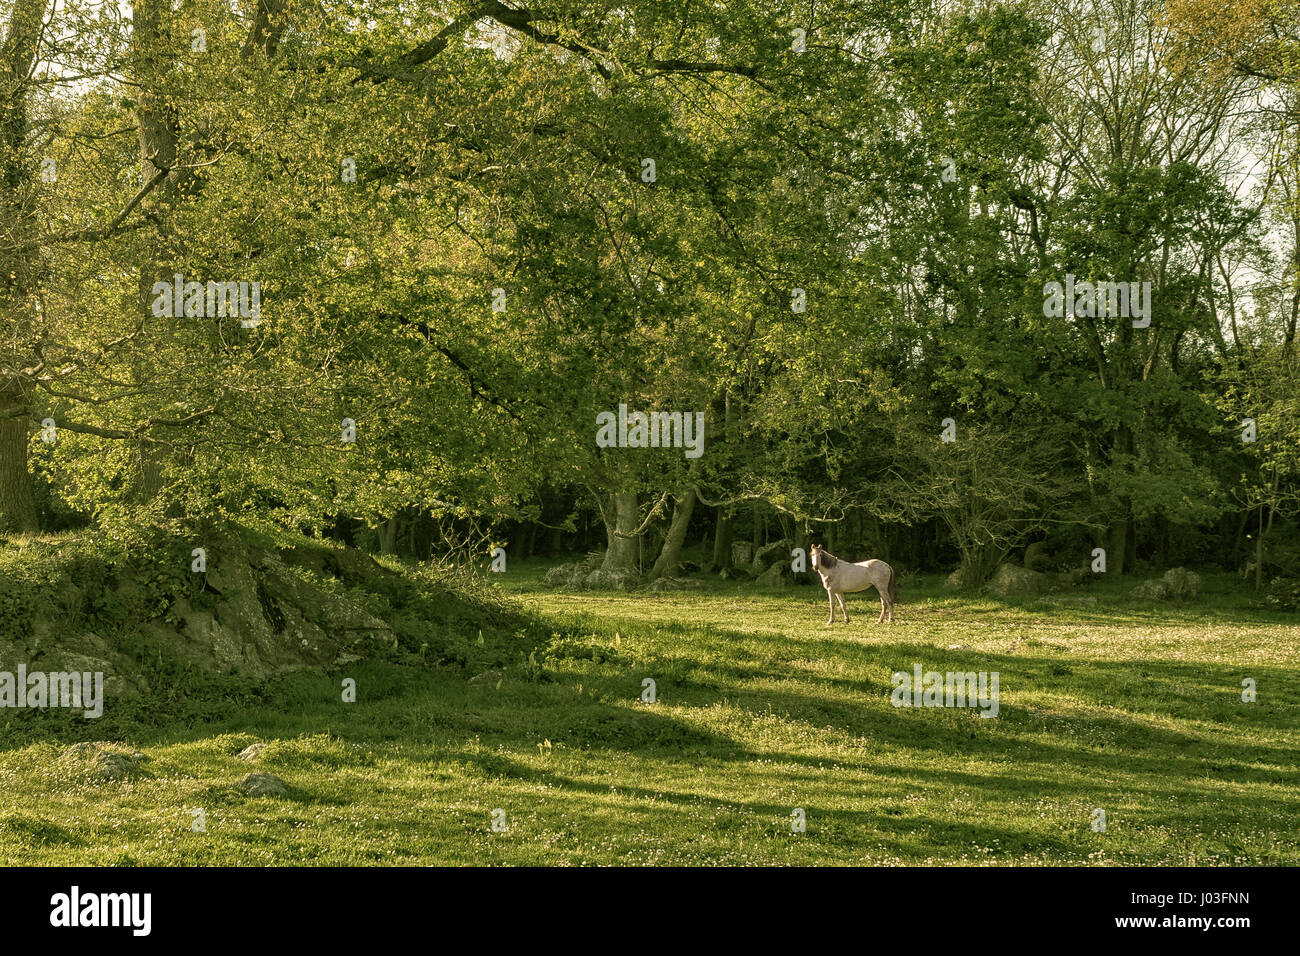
(601, 580)
(263, 785)
(1183, 585)
(1010, 580)
(742, 552)
(778, 551)
(1153, 590)
(776, 576)
(102, 761)
(1073, 577)
(266, 618)
(1178, 584)
(251, 752)
(561, 574)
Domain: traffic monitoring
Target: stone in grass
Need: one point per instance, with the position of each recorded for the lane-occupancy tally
(776, 576)
(263, 785)
(1153, 590)
(777, 551)
(101, 764)
(252, 751)
(1010, 580)
(602, 580)
(1182, 584)
(1178, 584)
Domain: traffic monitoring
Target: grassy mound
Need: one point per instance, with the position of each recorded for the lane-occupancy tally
(269, 619)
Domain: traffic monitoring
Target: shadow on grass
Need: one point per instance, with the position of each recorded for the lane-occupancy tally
(1066, 728)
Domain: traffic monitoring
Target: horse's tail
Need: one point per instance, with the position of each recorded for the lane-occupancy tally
(893, 586)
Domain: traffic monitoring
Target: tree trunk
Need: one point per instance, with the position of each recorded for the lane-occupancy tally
(157, 137)
(666, 565)
(20, 272)
(1237, 551)
(17, 503)
(150, 460)
(1122, 555)
(1130, 558)
(387, 532)
(622, 553)
(1263, 533)
(722, 542)
(1259, 550)
(1119, 546)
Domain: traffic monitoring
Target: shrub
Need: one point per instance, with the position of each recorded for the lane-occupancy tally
(1282, 594)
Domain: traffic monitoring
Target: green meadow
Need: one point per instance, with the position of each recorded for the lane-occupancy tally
(1105, 704)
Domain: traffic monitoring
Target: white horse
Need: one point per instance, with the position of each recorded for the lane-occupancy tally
(841, 578)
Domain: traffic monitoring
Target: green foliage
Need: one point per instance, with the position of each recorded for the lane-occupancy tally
(918, 192)
(1283, 594)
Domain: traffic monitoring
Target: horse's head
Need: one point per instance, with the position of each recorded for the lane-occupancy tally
(821, 560)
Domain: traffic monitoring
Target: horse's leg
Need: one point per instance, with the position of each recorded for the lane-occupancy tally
(840, 595)
(831, 596)
(882, 606)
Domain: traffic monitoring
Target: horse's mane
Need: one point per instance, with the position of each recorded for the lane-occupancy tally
(828, 560)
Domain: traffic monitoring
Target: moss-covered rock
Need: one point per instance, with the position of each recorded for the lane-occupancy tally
(262, 607)
(777, 575)
(602, 580)
(1009, 580)
(1178, 584)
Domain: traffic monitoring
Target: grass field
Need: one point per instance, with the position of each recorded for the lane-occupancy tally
(1127, 707)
